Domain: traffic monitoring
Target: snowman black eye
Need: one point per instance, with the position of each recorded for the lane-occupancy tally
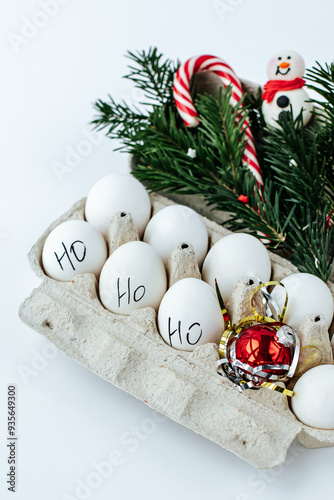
(289, 57)
(279, 58)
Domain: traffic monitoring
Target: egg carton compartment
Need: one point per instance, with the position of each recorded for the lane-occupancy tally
(256, 425)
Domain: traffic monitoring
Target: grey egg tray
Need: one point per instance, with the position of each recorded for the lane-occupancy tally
(128, 351)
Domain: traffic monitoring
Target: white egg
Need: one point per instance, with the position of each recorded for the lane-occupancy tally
(313, 402)
(307, 294)
(234, 257)
(72, 248)
(118, 193)
(134, 276)
(177, 224)
(189, 315)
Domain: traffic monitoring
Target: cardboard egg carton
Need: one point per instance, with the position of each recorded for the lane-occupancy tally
(128, 351)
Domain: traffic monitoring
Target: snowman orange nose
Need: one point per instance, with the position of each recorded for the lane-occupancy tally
(284, 65)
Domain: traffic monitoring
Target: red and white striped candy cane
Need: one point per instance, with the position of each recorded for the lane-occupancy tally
(187, 110)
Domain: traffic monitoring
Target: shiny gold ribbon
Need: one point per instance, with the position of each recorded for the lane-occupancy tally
(277, 388)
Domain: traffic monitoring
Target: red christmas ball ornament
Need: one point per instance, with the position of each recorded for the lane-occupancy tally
(258, 345)
(259, 351)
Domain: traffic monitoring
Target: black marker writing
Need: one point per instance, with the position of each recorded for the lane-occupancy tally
(170, 334)
(136, 296)
(59, 259)
(186, 339)
(143, 290)
(73, 251)
(200, 333)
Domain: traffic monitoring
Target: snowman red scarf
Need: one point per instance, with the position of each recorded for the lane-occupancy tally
(273, 86)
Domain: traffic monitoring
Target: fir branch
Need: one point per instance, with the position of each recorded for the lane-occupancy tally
(292, 153)
(224, 134)
(323, 77)
(293, 208)
(162, 153)
(311, 247)
(216, 172)
(253, 103)
(152, 76)
(119, 119)
(262, 214)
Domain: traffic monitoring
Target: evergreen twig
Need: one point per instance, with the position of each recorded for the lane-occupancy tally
(294, 208)
(152, 75)
(322, 81)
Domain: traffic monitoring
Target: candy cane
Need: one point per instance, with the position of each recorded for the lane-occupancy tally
(187, 110)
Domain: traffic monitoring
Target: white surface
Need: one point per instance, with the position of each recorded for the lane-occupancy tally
(68, 419)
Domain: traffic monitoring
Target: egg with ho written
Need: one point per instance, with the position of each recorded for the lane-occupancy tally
(72, 248)
(177, 224)
(313, 400)
(118, 193)
(234, 257)
(189, 315)
(133, 277)
(307, 294)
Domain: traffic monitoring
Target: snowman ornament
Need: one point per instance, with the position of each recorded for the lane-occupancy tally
(284, 90)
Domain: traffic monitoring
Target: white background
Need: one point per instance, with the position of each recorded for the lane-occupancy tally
(68, 419)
